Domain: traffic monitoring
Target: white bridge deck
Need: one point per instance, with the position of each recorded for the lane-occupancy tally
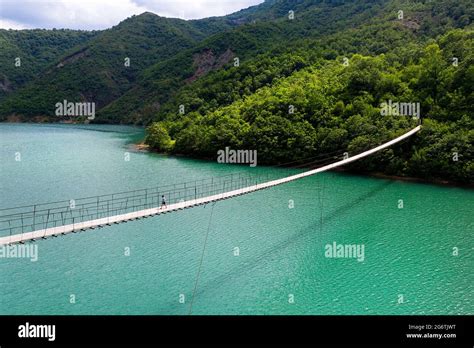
(53, 231)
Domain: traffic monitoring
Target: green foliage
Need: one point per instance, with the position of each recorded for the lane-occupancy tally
(37, 49)
(285, 65)
(93, 69)
(158, 137)
(334, 107)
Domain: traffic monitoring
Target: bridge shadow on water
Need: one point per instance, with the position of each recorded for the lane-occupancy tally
(256, 261)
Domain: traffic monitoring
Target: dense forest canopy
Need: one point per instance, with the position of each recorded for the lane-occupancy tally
(336, 104)
(291, 79)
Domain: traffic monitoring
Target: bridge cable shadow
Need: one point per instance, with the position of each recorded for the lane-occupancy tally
(280, 246)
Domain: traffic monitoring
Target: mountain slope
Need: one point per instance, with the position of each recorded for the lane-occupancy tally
(167, 55)
(329, 106)
(159, 82)
(333, 65)
(95, 70)
(339, 107)
(36, 49)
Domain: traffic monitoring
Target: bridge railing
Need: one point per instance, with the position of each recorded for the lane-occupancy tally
(46, 215)
(20, 220)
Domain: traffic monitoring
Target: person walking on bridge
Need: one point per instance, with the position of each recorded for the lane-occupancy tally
(163, 202)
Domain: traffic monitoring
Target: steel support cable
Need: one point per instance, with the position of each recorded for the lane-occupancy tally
(132, 194)
(202, 258)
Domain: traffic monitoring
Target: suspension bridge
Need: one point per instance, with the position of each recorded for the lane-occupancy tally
(32, 222)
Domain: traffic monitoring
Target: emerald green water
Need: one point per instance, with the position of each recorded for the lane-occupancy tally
(408, 251)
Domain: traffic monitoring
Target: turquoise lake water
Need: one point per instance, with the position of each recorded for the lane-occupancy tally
(281, 267)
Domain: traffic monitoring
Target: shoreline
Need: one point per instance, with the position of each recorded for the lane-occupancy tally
(142, 147)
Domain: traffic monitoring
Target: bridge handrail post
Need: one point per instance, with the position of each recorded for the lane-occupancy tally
(34, 217)
(174, 193)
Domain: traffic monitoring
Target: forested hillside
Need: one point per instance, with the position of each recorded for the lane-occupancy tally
(96, 69)
(36, 49)
(270, 28)
(337, 105)
(290, 78)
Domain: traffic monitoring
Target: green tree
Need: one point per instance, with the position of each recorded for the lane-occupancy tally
(158, 138)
